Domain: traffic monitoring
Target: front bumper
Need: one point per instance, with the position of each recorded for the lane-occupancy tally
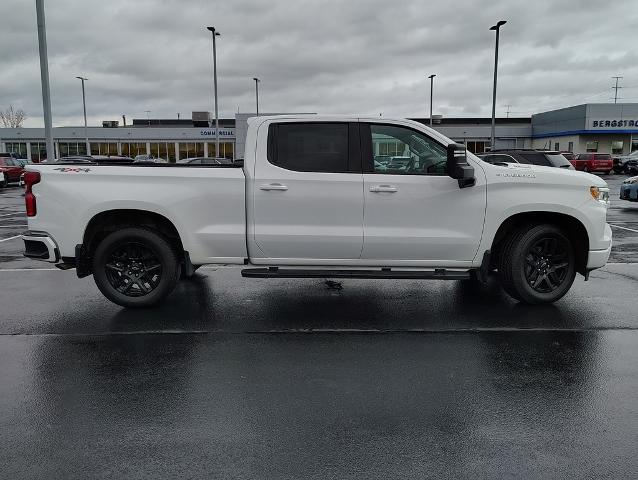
(40, 246)
(598, 258)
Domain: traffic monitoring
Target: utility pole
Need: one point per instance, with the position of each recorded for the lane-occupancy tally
(431, 77)
(257, 92)
(215, 33)
(507, 114)
(496, 28)
(148, 117)
(616, 89)
(44, 75)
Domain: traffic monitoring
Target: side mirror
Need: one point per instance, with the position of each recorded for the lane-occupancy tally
(457, 166)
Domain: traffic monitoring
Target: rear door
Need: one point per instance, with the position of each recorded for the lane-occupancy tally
(308, 199)
(417, 213)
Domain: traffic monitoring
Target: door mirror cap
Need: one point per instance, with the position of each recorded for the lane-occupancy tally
(458, 167)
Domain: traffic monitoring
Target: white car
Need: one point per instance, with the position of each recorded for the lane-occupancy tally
(309, 201)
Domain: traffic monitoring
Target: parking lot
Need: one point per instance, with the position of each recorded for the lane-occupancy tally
(239, 378)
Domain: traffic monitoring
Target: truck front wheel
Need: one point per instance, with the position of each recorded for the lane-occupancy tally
(135, 267)
(537, 264)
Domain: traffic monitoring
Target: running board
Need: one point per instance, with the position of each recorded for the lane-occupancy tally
(276, 272)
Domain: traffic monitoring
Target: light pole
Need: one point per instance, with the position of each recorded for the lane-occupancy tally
(44, 76)
(215, 33)
(497, 28)
(86, 135)
(257, 93)
(431, 77)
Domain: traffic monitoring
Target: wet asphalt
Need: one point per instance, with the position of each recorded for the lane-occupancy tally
(244, 378)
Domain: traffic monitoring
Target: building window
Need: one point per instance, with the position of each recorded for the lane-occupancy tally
(226, 150)
(570, 147)
(617, 147)
(38, 151)
(591, 147)
(133, 149)
(557, 146)
(17, 147)
(165, 150)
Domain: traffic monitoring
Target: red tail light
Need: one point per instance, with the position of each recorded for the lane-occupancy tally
(30, 179)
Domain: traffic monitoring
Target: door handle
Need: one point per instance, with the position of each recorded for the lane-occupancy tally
(384, 188)
(273, 186)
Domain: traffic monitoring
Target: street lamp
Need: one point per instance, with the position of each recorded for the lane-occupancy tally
(431, 77)
(497, 28)
(214, 34)
(44, 77)
(86, 135)
(257, 92)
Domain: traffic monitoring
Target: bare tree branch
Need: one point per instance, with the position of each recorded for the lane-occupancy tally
(11, 118)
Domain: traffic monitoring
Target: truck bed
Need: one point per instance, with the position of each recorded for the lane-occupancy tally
(206, 203)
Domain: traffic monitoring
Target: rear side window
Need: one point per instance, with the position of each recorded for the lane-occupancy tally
(603, 156)
(535, 158)
(309, 147)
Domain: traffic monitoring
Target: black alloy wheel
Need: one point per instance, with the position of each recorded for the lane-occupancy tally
(134, 269)
(537, 264)
(547, 264)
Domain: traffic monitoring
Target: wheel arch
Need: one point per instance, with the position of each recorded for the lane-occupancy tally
(107, 221)
(571, 225)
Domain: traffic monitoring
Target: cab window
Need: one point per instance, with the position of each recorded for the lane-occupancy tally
(398, 150)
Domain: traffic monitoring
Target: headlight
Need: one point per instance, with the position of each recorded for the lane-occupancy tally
(631, 180)
(600, 194)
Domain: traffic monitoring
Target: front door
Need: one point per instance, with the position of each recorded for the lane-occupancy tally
(413, 210)
(308, 198)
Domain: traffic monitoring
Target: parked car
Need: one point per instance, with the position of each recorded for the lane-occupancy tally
(546, 158)
(206, 161)
(150, 158)
(631, 167)
(622, 163)
(568, 155)
(308, 203)
(629, 189)
(99, 159)
(593, 162)
(11, 167)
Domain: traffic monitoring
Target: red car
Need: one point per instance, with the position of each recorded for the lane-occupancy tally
(593, 162)
(11, 167)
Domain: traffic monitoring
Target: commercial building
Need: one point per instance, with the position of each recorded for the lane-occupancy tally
(606, 128)
(592, 127)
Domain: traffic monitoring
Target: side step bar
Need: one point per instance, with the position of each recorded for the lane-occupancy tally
(276, 272)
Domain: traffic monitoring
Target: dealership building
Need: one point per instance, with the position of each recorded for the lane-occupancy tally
(605, 128)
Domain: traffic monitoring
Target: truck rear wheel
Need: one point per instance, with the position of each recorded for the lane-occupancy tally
(537, 264)
(135, 267)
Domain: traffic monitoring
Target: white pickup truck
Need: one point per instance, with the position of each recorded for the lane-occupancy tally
(316, 197)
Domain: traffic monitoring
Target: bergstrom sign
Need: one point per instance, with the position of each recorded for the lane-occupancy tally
(617, 123)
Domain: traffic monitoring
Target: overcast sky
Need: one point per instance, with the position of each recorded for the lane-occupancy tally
(329, 56)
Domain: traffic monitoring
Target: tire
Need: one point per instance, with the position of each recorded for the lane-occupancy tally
(608, 172)
(135, 267)
(3, 184)
(530, 272)
(585, 169)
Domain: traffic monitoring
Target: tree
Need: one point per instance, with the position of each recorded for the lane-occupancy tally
(11, 118)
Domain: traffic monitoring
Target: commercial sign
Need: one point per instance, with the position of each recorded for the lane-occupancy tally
(223, 132)
(614, 123)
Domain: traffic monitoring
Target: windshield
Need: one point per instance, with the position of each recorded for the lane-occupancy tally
(557, 160)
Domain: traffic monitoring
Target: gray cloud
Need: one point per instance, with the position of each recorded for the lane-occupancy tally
(368, 56)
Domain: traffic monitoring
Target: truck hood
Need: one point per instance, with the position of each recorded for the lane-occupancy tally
(552, 174)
